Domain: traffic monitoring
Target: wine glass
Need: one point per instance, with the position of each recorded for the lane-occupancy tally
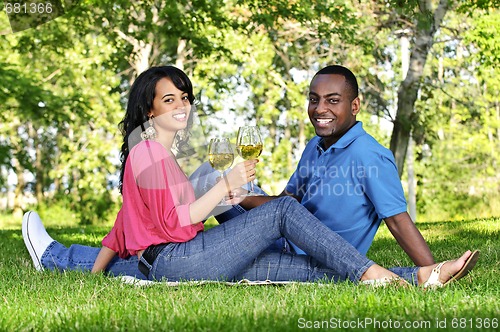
(249, 145)
(221, 157)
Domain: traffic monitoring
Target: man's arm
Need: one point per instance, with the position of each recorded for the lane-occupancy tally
(253, 201)
(410, 239)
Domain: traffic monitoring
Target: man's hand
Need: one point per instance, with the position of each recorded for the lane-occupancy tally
(236, 196)
(253, 201)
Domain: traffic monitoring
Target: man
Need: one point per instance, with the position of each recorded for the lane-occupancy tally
(345, 177)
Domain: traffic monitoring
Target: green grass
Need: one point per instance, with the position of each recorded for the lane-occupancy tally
(72, 301)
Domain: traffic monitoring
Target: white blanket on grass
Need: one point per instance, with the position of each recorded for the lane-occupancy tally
(138, 282)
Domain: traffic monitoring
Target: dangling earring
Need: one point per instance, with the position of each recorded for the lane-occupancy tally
(150, 132)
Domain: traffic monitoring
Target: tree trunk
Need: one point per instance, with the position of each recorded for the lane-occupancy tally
(17, 208)
(302, 135)
(39, 170)
(412, 183)
(17, 166)
(289, 153)
(142, 53)
(181, 54)
(426, 26)
(272, 134)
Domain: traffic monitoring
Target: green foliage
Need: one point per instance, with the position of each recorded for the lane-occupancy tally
(484, 37)
(58, 213)
(469, 6)
(65, 85)
(458, 165)
(64, 111)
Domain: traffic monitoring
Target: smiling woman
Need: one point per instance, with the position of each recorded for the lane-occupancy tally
(170, 110)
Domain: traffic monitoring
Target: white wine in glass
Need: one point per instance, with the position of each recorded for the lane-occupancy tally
(220, 156)
(249, 145)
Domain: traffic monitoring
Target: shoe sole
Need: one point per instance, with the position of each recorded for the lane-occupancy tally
(27, 241)
(469, 265)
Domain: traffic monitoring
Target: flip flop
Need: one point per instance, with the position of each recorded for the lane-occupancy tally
(433, 281)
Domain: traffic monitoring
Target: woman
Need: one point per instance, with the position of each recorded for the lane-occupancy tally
(160, 221)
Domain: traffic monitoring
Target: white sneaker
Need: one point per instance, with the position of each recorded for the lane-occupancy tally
(35, 237)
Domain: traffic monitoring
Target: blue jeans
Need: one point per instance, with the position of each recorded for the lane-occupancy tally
(78, 257)
(229, 251)
(82, 258)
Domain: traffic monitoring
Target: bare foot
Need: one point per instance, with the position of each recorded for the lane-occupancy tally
(449, 269)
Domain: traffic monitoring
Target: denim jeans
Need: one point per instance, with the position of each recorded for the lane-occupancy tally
(205, 177)
(82, 258)
(78, 257)
(229, 251)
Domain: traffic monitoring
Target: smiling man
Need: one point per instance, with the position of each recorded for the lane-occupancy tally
(345, 177)
(333, 104)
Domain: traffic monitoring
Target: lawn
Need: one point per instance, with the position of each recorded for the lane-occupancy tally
(72, 301)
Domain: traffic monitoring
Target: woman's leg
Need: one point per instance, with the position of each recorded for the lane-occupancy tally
(49, 254)
(82, 258)
(225, 250)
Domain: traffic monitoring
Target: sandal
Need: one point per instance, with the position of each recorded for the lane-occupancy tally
(433, 281)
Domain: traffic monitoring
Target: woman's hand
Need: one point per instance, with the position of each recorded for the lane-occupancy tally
(241, 174)
(102, 260)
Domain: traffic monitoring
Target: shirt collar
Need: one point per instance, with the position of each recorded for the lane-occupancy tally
(350, 136)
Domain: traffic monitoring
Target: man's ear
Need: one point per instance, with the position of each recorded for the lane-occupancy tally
(355, 106)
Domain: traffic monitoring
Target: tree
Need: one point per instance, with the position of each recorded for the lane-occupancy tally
(458, 163)
(427, 22)
(63, 108)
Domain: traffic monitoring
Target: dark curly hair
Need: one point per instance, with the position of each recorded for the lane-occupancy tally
(140, 102)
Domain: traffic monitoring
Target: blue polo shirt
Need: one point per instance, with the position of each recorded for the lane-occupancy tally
(350, 187)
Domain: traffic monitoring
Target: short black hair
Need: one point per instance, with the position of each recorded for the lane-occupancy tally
(350, 78)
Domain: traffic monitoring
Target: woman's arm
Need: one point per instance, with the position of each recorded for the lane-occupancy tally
(241, 173)
(103, 258)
